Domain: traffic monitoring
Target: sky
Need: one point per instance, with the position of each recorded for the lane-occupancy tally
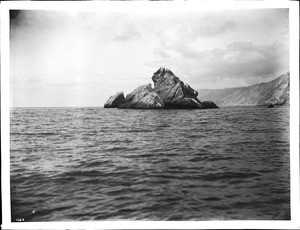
(77, 58)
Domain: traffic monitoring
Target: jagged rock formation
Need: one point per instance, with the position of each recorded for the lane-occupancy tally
(209, 104)
(115, 101)
(276, 92)
(173, 92)
(169, 93)
(143, 97)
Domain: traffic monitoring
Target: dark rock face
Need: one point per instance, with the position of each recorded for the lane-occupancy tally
(115, 101)
(173, 92)
(209, 105)
(169, 93)
(143, 97)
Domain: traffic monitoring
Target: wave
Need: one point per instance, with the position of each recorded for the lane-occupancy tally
(96, 164)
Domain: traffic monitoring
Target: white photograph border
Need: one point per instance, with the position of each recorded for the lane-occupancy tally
(143, 6)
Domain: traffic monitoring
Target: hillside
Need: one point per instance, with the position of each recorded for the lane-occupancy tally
(274, 92)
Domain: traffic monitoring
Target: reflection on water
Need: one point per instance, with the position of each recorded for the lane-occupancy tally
(109, 164)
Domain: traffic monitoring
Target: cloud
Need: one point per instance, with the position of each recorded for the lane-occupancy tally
(160, 53)
(129, 34)
(233, 45)
(213, 30)
(180, 33)
(181, 38)
(244, 59)
(237, 60)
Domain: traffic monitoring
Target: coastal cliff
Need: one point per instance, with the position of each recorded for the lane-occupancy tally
(169, 92)
(276, 92)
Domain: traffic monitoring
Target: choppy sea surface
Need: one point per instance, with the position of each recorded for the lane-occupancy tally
(108, 164)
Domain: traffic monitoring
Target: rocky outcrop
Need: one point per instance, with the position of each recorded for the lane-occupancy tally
(169, 92)
(115, 101)
(143, 97)
(173, 92)
(209, 105)
(276, 92)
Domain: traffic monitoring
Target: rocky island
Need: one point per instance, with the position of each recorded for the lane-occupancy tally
(169, 92)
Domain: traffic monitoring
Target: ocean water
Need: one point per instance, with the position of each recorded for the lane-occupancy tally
(108, 164)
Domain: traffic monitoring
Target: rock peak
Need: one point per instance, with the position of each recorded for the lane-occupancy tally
(163, 71)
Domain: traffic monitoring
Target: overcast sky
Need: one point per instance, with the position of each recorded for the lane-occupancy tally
(63, 58)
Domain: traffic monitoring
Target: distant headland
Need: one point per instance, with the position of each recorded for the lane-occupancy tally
(270, 94)
(169, 92)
